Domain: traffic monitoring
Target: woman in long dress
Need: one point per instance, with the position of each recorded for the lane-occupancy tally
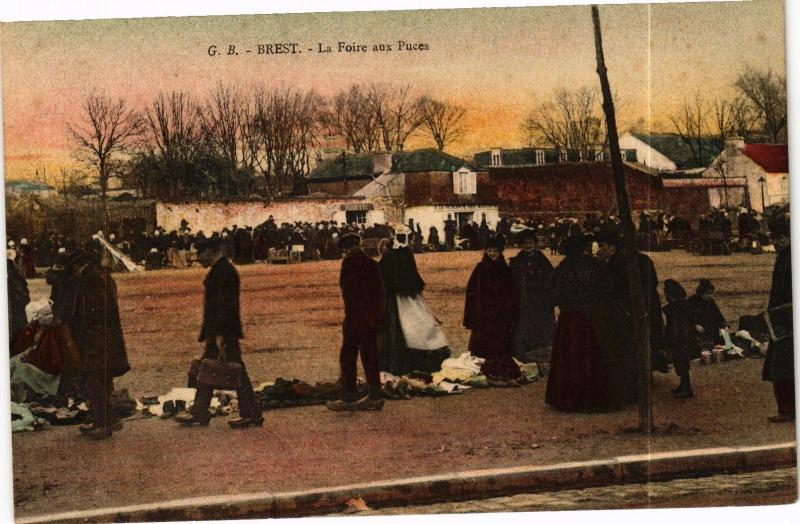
(581, 369)
(411, 338)
(490, 312)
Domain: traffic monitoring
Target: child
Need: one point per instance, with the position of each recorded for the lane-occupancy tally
(680, 335)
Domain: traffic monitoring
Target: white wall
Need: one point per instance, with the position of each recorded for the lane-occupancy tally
(213, 216)
(740, 165)
(645, 154)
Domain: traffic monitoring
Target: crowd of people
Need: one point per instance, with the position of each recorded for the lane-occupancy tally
(510, 310)
(306, 241)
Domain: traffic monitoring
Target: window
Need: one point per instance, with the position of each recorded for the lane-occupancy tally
(540, 156)
(495, 159)
(562, 156)
(359, 217)
(464, 182)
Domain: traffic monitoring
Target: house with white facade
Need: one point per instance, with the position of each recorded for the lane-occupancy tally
(667, 152)
(424, 185)
(764, 167)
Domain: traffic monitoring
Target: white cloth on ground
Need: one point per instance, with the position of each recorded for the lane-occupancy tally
(421, 329)
(459, 369)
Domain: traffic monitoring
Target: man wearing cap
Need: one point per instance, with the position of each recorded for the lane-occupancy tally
(221, 331)
(364, 311)
(779, 362)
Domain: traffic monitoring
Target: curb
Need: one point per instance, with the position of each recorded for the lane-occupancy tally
(465, 485)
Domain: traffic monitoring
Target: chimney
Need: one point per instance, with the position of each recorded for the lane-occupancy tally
(381, 163)
(734, 145)
(496, 157)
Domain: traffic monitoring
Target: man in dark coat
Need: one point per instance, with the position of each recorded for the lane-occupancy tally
(536, 325)
(18, 298)
(221, 331)
(680, 336)
(86, 300)
(449, 233)
(609, 250)
(364, 311)
(779, 363)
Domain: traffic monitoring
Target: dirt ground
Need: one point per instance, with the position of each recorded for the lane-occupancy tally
(292, 318)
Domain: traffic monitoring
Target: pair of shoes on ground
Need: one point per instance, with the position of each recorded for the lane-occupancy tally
(188, 419)
(782, 417)
(364, 404)
(94, 432)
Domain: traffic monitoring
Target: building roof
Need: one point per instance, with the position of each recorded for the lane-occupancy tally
(773, 158)
(673, 147)
(360, 166)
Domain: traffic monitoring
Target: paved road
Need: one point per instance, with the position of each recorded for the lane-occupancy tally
(766, 487)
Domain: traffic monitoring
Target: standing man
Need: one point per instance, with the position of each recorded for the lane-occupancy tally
(449, 233)
(18, 298)
(88, 305)
(364, 311)
(779, 364)
(221, 330)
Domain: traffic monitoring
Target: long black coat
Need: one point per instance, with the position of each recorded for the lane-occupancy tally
(779, 364)
(221, 316)
(18, 298)
(618, 276)
(97, 329)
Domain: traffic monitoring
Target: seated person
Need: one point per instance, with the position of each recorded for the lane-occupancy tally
(706, 314)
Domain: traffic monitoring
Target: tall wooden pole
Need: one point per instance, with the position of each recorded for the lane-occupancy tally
(639, 320)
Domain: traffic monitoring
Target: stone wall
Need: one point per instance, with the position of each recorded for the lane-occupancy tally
(213, 216)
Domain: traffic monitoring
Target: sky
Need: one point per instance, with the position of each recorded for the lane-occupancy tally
(498, 63)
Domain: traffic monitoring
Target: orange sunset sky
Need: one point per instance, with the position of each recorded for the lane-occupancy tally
(498, 63)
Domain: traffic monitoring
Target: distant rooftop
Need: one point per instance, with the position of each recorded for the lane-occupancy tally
(361, 166)
(673, 147)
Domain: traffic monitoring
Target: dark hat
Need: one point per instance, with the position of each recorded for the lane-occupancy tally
(779, 226)
(608, 237)
(673, 290)
(705, 286)
(349, 240)
(496, 242)
(526, 234)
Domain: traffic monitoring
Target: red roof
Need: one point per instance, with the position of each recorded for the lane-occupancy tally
(773, 158)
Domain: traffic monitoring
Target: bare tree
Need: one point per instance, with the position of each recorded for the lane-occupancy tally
(767, 92)
(173, 140)
(285, 127)
(571, 121)
(397, 114)
(103, 136)
(224, 120)
(441, 120)
(691, 123)
(351, 115)
(733, 117)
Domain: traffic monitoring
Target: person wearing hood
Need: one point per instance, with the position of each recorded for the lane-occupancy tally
(411, 338)
(706, 314)
(490, 313)
(679, 335)
(588, 367)
(536, 324)
(779, 362)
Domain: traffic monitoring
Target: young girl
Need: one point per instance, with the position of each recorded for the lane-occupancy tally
(680, 336)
